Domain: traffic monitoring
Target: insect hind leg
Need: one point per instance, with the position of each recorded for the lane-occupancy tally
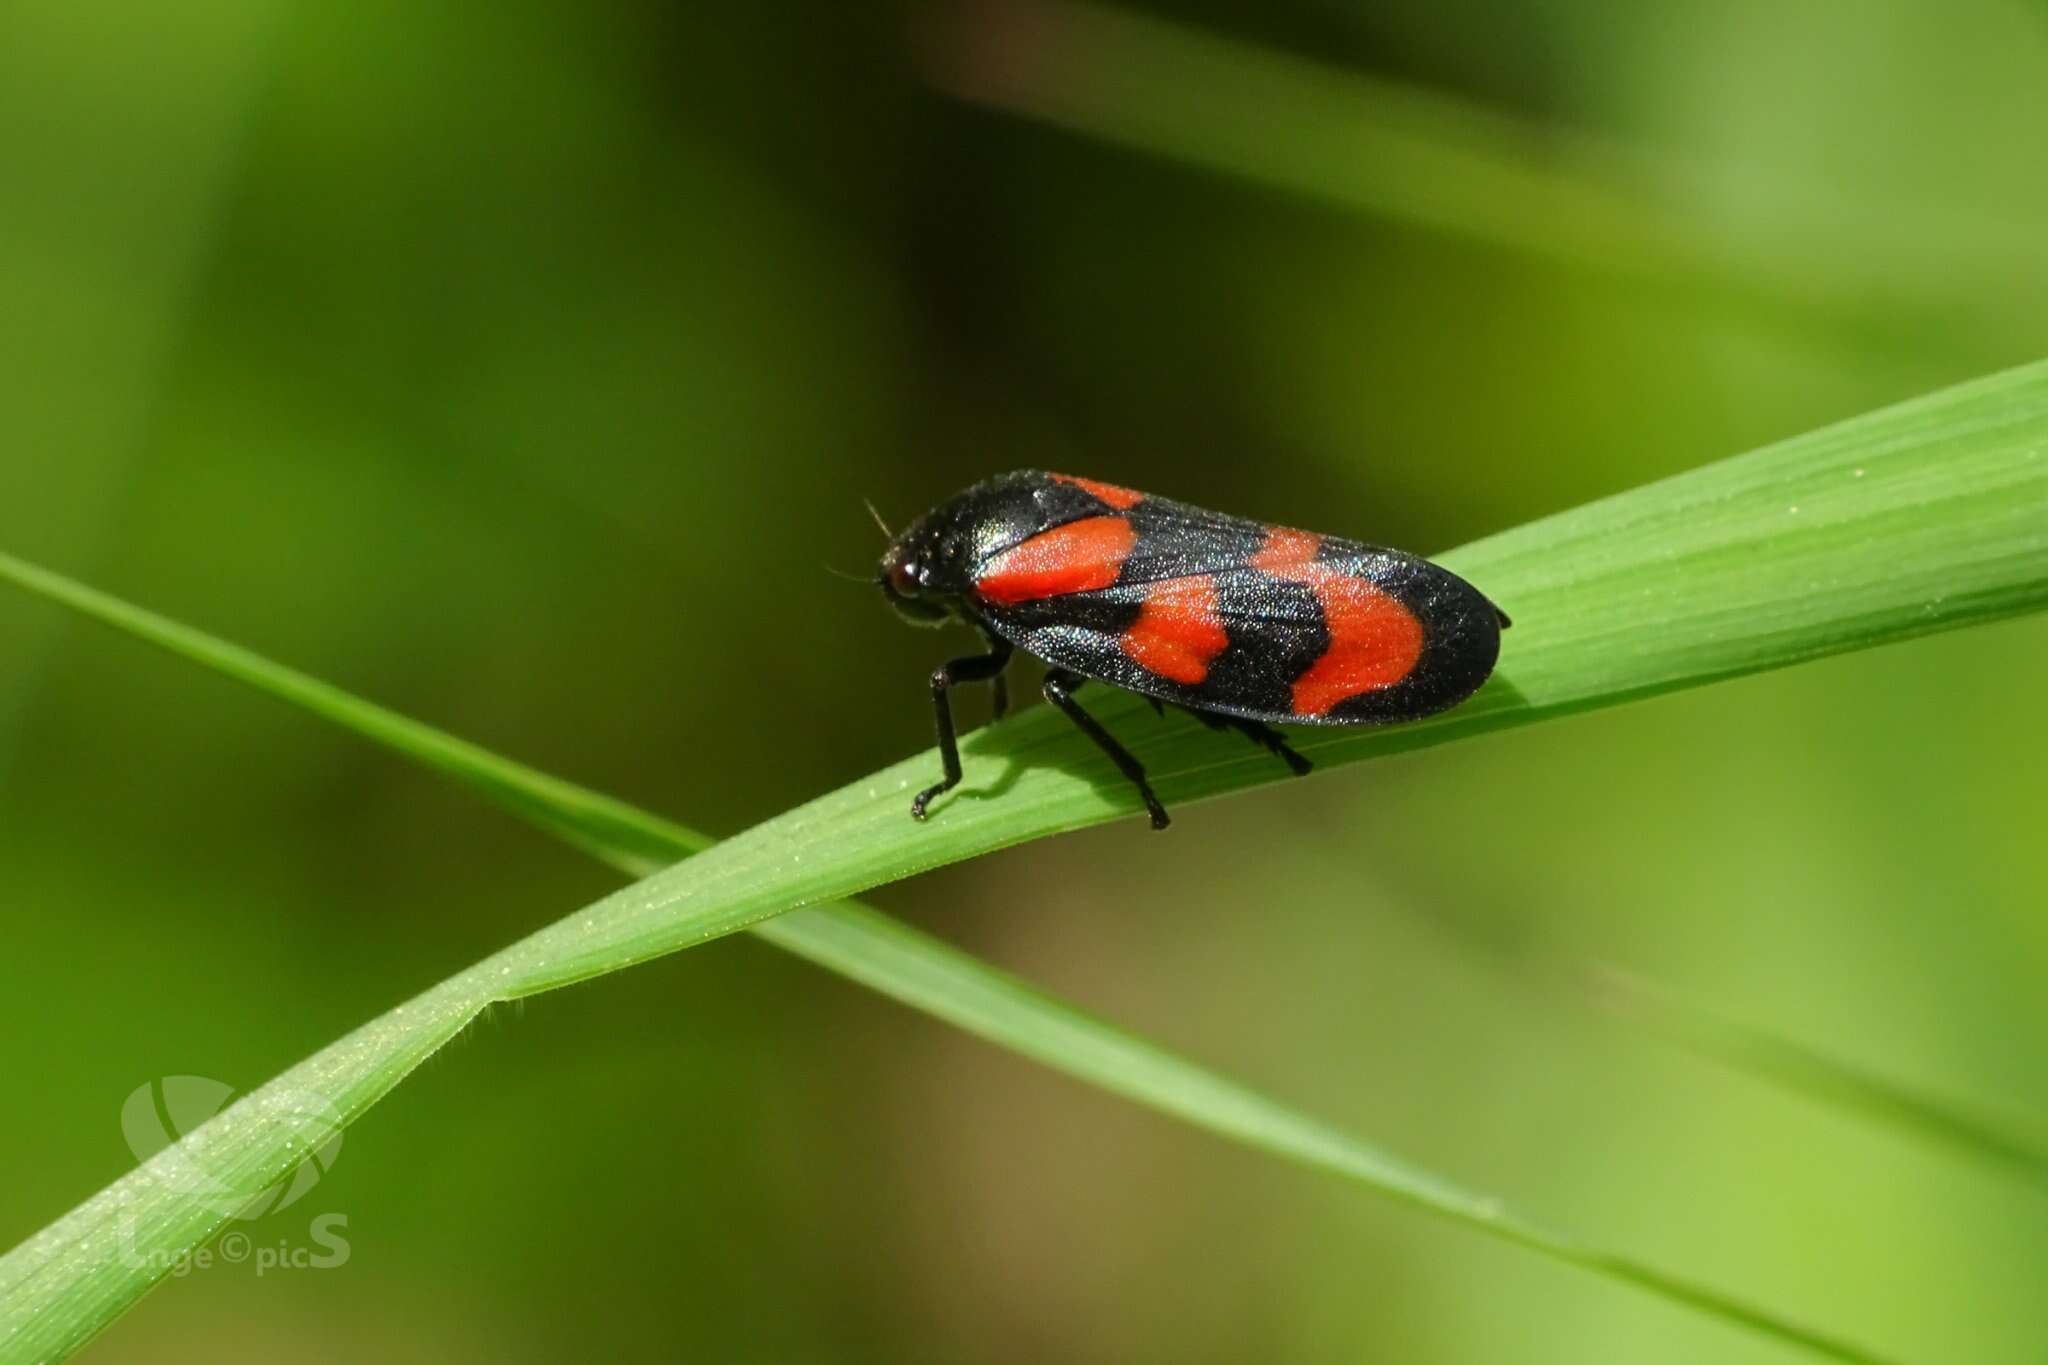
(1265, 736)
(1059, 690)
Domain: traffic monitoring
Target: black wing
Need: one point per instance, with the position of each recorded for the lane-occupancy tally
(1211, 612)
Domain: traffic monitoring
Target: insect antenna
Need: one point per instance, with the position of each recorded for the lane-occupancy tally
(887, 534)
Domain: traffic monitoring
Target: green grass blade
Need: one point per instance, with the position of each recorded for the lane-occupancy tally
(1367, 144)
(1309, 128)
(1675, 1018)
(913, 968)
(1930, 515)
(1814, 1075)
(858, 943)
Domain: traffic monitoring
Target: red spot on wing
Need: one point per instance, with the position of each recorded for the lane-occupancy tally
(1123, 499)
(1179, 630)
(1287, 554)
(1374, 640)
(1080, 556)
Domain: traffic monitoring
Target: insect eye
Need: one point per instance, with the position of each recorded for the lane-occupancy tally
(903, 577)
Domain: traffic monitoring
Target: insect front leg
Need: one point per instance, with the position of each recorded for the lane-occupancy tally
(1059, 688)
(975, 668)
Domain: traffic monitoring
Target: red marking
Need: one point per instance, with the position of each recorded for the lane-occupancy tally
(1123, 499)
(1374, 640)
(1286, 554)
(1080, 556)
(1179, 630)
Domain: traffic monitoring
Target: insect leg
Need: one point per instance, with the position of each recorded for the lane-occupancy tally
(1059, 688)
(1275, 743)
(975, 668)
(1263, 735)
(999, 686)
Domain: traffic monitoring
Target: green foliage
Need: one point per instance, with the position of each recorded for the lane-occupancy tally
(1923, 517)
(1427, 158)
(1817, 1076)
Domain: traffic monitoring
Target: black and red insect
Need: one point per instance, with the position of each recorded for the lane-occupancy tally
(1244, 624)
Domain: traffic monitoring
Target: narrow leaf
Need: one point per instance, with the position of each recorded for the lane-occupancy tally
(1443, 164)
(324, 1094)
(1927, 516)
(1814, 1075)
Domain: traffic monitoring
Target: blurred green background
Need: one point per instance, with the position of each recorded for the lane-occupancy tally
(524, 368)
